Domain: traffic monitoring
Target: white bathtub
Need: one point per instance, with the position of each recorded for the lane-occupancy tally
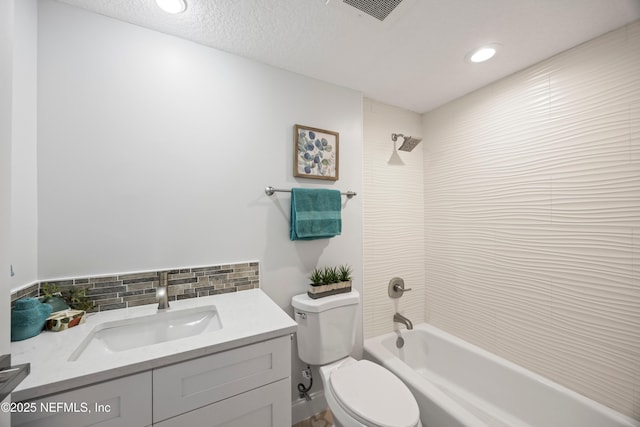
(459, 384)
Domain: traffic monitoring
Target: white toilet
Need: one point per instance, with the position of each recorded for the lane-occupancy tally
(359, 393)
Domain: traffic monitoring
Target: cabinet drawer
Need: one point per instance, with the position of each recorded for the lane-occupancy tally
(124, 402)
(196, 383)
(267, 406)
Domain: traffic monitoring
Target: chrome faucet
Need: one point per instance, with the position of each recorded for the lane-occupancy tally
(162, 293)
(399, 318)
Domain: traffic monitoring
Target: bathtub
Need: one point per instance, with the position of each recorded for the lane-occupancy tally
(459, 384)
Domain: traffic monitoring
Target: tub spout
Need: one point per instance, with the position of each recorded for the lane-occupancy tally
(399, 318)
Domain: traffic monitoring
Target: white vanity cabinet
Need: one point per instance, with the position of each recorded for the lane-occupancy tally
(123, 402)
(262, 407)
(236, 375)
(245, 386)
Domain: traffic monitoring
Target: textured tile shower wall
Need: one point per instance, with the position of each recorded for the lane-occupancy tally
(393, 218)
(532, 218)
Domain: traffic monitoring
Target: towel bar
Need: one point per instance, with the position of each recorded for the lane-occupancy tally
(270, 190)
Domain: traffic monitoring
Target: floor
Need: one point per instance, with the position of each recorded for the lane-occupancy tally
(321, 419)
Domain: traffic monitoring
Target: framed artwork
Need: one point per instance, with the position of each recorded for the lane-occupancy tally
(315, 153)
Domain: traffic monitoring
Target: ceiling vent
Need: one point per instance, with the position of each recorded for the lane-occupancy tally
(382, 13)
(378, 9)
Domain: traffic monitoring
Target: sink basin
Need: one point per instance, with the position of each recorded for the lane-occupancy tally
(120, 335)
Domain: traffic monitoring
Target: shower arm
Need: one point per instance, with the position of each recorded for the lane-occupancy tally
(394, 136)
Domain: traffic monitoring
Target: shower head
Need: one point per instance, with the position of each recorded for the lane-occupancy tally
(408, 143)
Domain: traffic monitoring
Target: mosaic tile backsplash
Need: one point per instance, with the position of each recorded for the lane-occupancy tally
(129, 290)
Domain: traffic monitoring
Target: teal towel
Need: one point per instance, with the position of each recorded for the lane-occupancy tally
(315, 214)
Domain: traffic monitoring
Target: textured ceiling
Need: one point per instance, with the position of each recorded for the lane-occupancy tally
(413, 59)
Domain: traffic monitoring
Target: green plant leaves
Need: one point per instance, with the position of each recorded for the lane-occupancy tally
(328, 275)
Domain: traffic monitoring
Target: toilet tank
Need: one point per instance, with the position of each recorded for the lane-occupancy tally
(326, 326)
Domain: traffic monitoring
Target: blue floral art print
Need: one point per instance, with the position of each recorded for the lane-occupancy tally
(316, 153)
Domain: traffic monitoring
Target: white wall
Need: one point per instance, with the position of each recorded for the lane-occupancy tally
(393, 218)
(154, 152)
(6, 71)
(24, 191)
(6, 83)
(532, 218)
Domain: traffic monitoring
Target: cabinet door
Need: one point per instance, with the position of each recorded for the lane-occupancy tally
(267, 406)
(124, 402)
(199, 382)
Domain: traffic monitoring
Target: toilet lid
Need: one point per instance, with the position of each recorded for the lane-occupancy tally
(374, 395)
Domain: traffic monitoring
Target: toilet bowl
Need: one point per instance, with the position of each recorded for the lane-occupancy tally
(359, 393)
(363, 394)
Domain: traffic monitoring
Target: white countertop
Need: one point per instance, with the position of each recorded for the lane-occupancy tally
(247, 317)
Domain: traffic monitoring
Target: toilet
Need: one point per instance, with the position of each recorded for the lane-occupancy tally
(359, 393)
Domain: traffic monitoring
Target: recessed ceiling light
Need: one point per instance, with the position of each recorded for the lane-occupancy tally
(482, 54)
(172, 6)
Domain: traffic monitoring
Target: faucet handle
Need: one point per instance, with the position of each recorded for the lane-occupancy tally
(396, 287)
(400, 289)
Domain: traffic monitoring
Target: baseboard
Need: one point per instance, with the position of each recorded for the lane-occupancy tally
(302, 409)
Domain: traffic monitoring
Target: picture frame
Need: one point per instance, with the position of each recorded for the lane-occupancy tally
(315, 153)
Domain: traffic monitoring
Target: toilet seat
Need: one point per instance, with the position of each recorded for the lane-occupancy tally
(373, 395)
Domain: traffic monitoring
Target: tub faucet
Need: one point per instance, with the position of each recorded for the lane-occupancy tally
(162, 293)
(399, 318)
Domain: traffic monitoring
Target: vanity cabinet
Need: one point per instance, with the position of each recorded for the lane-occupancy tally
(123, 402)
(244, 386)
(266, 406)
(197, 383)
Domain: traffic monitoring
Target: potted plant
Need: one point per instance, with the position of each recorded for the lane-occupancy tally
(329, 281)
(73, 297)
(316, 277)
(69, 306)
(344, 273)
(318, 284)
